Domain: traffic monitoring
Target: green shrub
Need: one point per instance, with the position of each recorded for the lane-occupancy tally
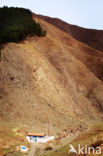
(16, 24)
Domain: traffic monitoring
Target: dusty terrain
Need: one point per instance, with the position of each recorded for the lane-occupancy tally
(54, 81)
(91, 37)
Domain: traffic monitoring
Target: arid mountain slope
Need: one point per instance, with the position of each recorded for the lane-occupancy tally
(54, 79)
(93, 38)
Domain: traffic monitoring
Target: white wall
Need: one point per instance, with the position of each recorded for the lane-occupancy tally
(40, 140)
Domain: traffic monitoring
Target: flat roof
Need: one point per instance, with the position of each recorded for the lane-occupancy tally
(35, 134)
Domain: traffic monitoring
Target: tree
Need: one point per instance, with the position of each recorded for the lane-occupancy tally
(16, 24)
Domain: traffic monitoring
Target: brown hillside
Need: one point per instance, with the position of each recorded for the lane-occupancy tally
(54, 79)
(93, 38)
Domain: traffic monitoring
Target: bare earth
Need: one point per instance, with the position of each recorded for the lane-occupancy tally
(32, 151)
(54, 79)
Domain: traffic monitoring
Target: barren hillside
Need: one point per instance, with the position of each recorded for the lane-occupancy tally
(54, 80)
(93, 38)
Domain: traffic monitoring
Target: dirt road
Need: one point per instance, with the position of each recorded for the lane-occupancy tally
(32, 151)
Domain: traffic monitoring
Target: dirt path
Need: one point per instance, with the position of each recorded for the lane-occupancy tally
(32, 151)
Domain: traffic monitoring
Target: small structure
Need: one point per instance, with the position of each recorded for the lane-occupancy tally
(40, 138)
(23, 149)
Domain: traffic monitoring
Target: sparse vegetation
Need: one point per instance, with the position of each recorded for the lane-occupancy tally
(16, 24)
(13, 154)
(48, 147)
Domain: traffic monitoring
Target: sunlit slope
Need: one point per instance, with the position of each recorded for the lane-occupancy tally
(91, 37)
(53, 79)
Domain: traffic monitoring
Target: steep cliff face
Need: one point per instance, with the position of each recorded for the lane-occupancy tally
(54, 79)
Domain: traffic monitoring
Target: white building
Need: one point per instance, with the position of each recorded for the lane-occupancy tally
(40, 138)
